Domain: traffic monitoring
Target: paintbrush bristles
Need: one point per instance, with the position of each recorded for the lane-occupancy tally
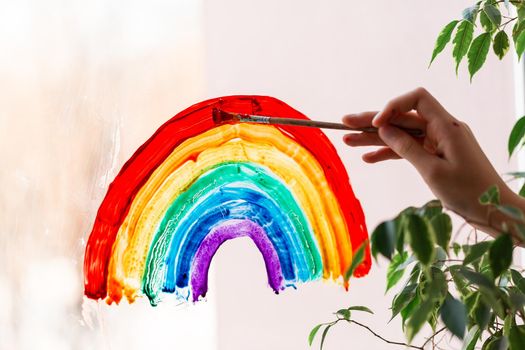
(221, 117)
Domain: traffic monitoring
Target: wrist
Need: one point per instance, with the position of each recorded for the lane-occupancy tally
(499, 222)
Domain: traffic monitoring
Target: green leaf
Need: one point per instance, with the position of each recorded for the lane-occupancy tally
(471, 339)
(414, 274)
(516, 135)
(516, 174)
(440, 258)
(518, 280)
(522, 191)
(454, 316)
(358, 258)
(418, 319)
(408, 210)
(486, 23)
(484, 265)
(521, 11)
(325, 332)
(407, 262)
(500, 254)
(470, 13)
(517, 337)
(492, 13)
(477, 53)
(520, 44)
(470, 301)
(430, 209)
(517, 299)
(394, 274)
(494, 300)
(507, 324)
(403, 299)
(409, 309)
(491, 196)
(360, 308)
(481, 313)
(434, 316)
(516, 30)
(456, 247)
(313, 332)
(476, 251)
(436, 287)
(459, 280)
(476, 278)
(462, 41)
(442, 225)
(500, 343)
(501, 44)
(421, 239)
(399, 223)
(443, 39)
(384, 239)
(344, 313)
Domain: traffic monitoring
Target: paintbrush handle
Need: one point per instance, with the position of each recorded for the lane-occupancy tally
(319, 124)
(261, 119)
(311, 123)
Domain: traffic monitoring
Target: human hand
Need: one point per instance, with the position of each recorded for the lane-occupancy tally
(448, 157)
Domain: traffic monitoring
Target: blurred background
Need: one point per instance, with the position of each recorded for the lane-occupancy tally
(84, 83)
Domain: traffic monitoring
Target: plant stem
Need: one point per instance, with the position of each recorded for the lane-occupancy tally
(383, 339)
(432, 337)
(449, 260)
(505, 24)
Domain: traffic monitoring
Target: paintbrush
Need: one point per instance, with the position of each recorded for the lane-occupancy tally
(222, 117)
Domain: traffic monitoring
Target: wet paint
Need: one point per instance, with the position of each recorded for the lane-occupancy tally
(174, 159)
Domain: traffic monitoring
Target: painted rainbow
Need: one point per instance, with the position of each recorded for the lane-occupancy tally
(194, 185)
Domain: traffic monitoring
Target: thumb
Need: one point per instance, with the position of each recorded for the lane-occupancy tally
(405, 146)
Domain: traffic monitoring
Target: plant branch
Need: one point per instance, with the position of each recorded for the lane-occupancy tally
(503, 25)
(384, 339)
(432, 337)
(449, 260)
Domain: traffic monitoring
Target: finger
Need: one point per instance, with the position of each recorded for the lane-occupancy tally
(380, 155)
(359, 120)
(373, 139)
(364, 119)
(406, 147)
(363, 139)
(419, 99)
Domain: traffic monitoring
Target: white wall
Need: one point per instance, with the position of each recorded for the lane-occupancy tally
(83, 84)
(326, 59)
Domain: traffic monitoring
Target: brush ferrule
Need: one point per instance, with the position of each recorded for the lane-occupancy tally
(254, 119)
